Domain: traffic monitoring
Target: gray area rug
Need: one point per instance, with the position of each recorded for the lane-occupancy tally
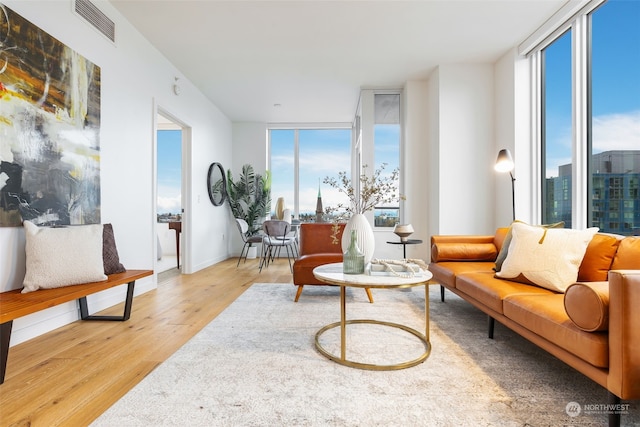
(256, 365)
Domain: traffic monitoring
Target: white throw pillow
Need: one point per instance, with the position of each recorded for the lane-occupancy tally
(550, 258)
(62, 256)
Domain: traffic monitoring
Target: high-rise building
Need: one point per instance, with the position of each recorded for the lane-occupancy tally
(614, 193)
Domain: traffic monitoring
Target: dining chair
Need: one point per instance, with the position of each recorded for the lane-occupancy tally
(249, 241)
(276, 236)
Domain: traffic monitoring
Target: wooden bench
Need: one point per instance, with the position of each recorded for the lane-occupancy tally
(14, 304)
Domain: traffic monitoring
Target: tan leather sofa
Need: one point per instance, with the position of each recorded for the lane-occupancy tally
(593, 327)
(320, 243)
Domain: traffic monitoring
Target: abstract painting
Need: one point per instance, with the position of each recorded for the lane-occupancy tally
(49, 128)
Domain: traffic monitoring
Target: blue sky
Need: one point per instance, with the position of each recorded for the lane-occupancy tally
(615, 85)
(323, 152)
(169, 170)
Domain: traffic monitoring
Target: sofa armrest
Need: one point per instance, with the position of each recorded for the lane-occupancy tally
(624, 333)
(463, 248)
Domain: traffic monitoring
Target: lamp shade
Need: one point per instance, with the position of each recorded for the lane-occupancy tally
(504, 163)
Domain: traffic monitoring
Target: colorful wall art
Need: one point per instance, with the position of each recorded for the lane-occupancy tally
(49, 128)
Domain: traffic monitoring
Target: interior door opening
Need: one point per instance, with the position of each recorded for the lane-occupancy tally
(169, 195)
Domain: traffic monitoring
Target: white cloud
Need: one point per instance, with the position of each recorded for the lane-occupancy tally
(281, 161)
(620, 131)
(324, 163)
(169, 199)
(169, 204)
(616, 132)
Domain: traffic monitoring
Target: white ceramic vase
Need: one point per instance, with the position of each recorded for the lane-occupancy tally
(365, 238)
(279, 208)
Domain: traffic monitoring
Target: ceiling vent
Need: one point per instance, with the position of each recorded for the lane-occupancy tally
(96, 18)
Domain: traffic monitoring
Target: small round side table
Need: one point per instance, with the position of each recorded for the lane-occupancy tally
(404, 245)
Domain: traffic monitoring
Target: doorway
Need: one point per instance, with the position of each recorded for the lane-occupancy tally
(169, 194)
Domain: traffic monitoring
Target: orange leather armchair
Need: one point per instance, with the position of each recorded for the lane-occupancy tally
(319, 244)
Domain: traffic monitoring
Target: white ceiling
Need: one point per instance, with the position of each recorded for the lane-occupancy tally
(313, 57)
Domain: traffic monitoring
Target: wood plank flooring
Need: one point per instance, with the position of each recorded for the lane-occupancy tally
(71, 375)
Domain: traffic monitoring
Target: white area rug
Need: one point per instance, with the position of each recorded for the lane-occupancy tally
(256, 365)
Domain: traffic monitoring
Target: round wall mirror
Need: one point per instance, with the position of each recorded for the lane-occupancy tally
(216, 184)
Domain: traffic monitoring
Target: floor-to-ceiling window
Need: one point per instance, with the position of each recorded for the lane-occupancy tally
(590, 113)
(300, 160)
(556, 66)
(386, 135)
(282, 143)
(614, 169)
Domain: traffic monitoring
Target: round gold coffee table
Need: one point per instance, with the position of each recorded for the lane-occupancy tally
(332, 274)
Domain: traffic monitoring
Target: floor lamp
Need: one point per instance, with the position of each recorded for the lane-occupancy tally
(504, 163)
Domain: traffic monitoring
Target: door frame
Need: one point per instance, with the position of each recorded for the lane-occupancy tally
(185, 184)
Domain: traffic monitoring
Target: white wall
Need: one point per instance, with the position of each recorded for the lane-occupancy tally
(249, 146)
(136, 80)
(465, 152)
(513, 131)
(166, 238)
(433, 159)
(416, 170)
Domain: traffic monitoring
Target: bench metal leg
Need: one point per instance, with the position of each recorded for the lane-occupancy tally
(5, 337)
(441, 293)
(84, 309)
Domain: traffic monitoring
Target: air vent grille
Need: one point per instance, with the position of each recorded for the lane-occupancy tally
(96, 18)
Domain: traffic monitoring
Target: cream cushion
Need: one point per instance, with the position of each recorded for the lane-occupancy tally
(549, 258)
(62, 256)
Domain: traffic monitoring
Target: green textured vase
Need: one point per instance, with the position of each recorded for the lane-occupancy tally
(353, 258)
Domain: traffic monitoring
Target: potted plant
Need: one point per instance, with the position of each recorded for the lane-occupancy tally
(375, 190)
(250, 197)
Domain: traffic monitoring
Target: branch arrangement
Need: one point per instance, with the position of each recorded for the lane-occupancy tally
(375, 190)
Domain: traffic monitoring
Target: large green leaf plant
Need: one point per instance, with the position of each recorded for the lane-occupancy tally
(250, 197)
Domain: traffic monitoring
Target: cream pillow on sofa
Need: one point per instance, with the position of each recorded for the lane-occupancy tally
(549, 258)
(62, 256)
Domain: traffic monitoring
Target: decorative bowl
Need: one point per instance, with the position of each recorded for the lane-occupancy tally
(403, 231)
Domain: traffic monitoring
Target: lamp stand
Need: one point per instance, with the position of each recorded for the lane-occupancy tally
(513, 195)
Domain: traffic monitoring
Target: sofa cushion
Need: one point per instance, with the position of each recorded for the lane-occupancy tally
(446, 272)
(500, 238)
(304, 265)
(628, 254)
(314, 260)
(547, 257)
(587, 305)
(486, 289)
(505, 241)
(62, 256)
(545, 315)
(110, 257)
(598, 258)
(463, 252)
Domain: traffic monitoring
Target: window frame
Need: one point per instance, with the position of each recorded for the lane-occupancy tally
(574, 17)
(296, 128)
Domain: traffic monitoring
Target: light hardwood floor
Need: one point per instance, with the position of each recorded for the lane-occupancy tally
(68, 377)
